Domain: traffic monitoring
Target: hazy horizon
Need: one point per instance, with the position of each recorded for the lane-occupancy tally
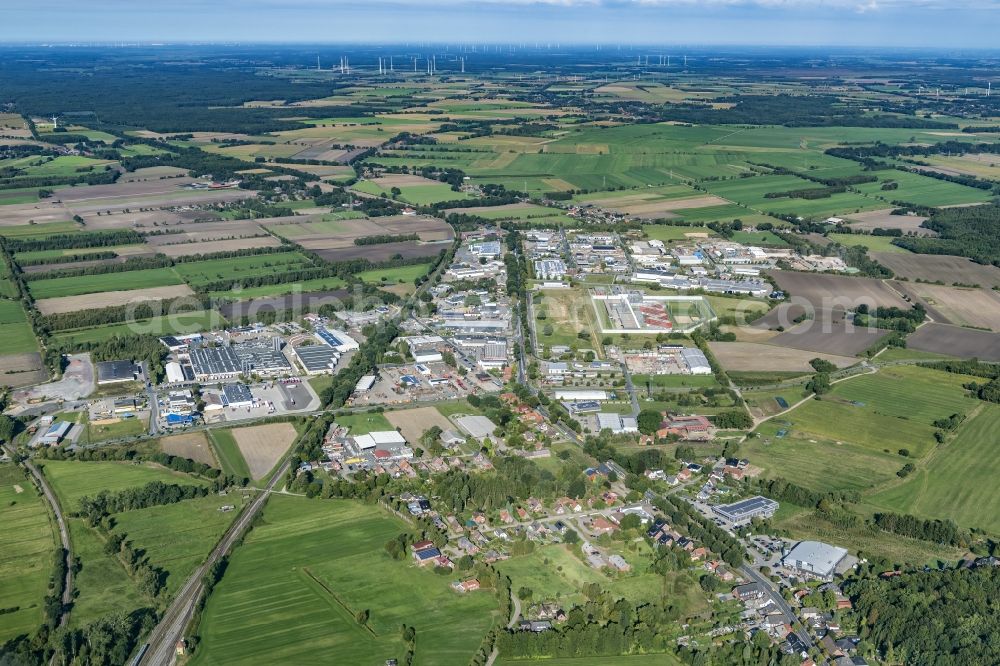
(921, 24)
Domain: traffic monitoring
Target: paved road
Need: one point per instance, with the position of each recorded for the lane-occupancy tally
(50, 497)
(163, 639)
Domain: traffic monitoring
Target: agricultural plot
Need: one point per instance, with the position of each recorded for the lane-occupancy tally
(955, 341)
(262, 296)
(15, 331)
(292, 590)
(22, 369)
(104, 299)
(922, 190)
(73, 479)
(980, 165)
(933, 267)
(670, 233)
(27, 550)
(104, 586)
(263, 446)
(957, 481)
(413, 423)
(175, 324)
(651, 202)
(887, 411)
(400, 274)
(92, 284)
(976, 308)
(754, 357)
(177, 537)
(872, 243)
(751, 192)
(198, 273)
(193, 445)
(826, 292)
(211, 247)
(884, 219)
(228, 453)
(415, 190)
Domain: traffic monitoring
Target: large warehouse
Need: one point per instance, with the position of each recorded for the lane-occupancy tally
(815, 558)
(746, 510)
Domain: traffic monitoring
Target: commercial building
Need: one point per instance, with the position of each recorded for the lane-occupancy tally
(56, 432)
(746, 510)
(815, 558)
(696, 361)
(175, 373)
(180, 402)
(550, 269)
(493, 356)
(478, 427)
(617, 423)
(365, 384)
(215, 363)
(383, 438)
(261, 357)
(116, 372)
(580, 394)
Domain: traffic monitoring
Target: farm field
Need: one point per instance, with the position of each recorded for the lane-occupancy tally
(946, 268)
(177, 537)
(316, 563)
(826, 292)
(755, 357)
(262, 446)
(269, 290)
(200, 273)
(668, 233)
(15, 331)
(955, 341)
(91, 284)
(182, 323)
(976, 308)
(414, 190)
(404, 274)
(229, 456)
(27, 551)
(956, 482)
(664, 659)
(873, 243)
(413, 423)
(104, 586)
(891, 410)
(751, 193)
(922, 190)
(72, 479)
(192, 445)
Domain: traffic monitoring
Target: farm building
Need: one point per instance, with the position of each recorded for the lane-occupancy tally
(56, 433)
(745, 510)
(116, 372)
(478, 427)
(815, 558)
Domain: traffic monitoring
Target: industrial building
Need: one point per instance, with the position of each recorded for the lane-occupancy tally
(746, 510)
(180, 402)
(214, 363)
(493, 356)
(261, 357)
(116, 372)
(317, 359)
(365, 384)
(815, 558)
(550, 269)
(617, 423)
(339, 340)
(237, 396)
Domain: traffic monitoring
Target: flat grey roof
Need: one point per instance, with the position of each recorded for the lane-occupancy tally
(747, 508)
(315, 357)
(115, 371)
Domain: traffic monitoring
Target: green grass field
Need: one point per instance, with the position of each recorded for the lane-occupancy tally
(92, 284)
(27, 548)
(15, 331)
(124, 428)
(673, 381)
(177, 537)
(292, 589)
(873, 243)
(43, 255)
(73, 479)
(665, 659)
(957, 481)
(228, 453)
(418, 195)
(39, 230)
(362, 423)
(266, 291)
(104, 586)
(394, 275)
(667, 233)
(757, 238)
(199, 273)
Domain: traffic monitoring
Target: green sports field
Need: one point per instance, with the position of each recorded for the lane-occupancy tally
(958, 481)
(291, 592)
(27, 550)
(92, 284)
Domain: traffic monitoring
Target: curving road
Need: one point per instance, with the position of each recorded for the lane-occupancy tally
(50, 497)
(162, 642)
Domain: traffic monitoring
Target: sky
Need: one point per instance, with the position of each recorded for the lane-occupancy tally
(932, 24)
